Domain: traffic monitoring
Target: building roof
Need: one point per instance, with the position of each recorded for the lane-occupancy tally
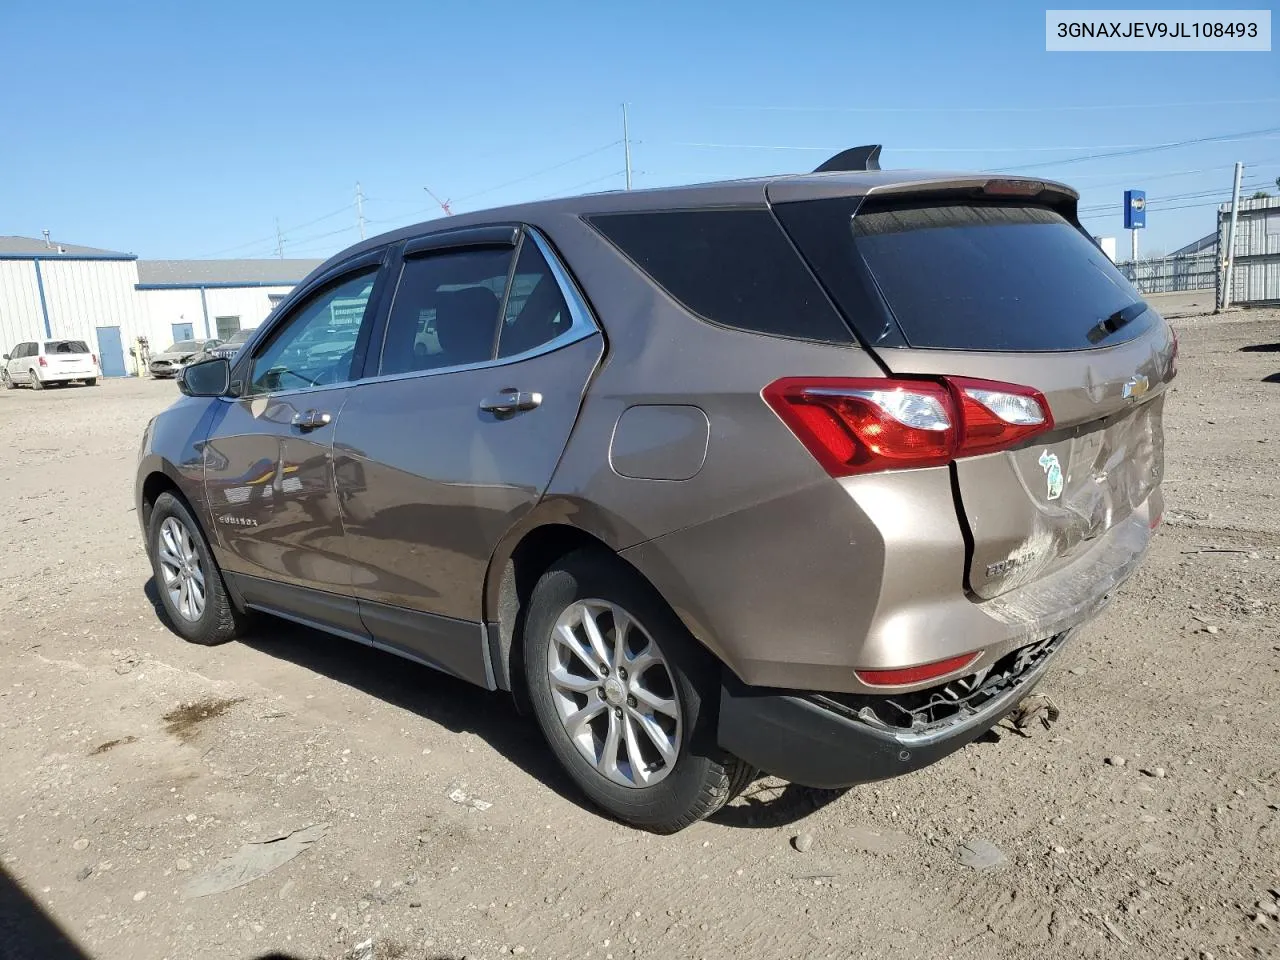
(223, 273)
(1207, 242)
(25, 247)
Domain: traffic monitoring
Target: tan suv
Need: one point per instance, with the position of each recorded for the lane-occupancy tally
(808, 474)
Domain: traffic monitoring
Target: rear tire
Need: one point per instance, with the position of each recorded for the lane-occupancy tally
(190, 585)
(670, 696)
(91, 382)
(36, 382)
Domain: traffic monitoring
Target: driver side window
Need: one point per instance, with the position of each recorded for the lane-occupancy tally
(316, 345)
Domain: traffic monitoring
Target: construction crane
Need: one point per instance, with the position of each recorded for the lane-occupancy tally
(444, 204)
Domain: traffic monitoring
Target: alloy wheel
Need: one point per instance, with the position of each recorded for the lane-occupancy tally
(614, 693)
(181, 569)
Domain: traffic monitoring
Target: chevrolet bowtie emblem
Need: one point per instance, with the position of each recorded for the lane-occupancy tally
(1136, 387)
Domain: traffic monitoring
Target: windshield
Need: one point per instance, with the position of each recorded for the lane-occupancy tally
(184, 346)
(66, 346)
(969, 276)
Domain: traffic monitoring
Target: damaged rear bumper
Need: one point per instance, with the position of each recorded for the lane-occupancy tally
(826, 741)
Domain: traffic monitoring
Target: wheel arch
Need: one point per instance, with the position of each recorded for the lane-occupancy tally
(551, 532)
(157, 475)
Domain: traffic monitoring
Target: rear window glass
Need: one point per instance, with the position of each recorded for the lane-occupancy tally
(66, 346)
(968, 276)
(732, 267)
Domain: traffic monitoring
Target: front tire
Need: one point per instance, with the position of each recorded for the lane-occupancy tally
(626, 698)
(192, 592)
(8, 381)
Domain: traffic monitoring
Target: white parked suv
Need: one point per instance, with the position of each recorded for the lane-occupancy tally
(39, 363)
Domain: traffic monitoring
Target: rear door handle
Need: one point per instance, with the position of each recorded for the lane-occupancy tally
(311, 419)
(509, 402)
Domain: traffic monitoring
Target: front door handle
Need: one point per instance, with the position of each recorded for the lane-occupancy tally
(311, 419)
(510, 402)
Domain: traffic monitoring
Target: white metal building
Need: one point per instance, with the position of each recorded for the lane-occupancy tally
(1255, 278)
(108, 299)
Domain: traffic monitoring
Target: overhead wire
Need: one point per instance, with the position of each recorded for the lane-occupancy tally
(1265, 133)
(272, 238)
(1041, 108)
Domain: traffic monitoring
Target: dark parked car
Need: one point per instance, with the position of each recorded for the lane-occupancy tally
(229, 347)
(808, 474)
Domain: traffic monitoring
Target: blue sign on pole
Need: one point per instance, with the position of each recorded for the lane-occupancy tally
(1135, 209)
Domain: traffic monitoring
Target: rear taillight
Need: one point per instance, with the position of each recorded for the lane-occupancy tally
(917, 674)
(95, 358)
(41, 361)
(856, 426)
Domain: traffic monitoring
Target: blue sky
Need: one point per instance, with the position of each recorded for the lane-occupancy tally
(186, 129)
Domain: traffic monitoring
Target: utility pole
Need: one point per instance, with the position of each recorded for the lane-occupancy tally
(1224, 296)
(1133, 246)
(360, 209)
(279, 240)
(626, 144)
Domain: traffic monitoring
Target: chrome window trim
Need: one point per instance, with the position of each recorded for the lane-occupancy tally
(582, 324)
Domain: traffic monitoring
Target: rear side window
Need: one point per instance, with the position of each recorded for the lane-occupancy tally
(966, 276)
(66, 346)
(445, 311)
(732, 267)
(536, 311)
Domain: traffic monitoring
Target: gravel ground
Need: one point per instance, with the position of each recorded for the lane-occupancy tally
(1143, 823)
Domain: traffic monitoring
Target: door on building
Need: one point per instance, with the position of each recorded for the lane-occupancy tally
(111, 352)
(183, 331)
(227, 326)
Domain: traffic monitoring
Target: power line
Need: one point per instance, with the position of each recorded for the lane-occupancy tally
(1044, 108)
(539, 173)
(584, 183)
(274, 237)
(1134, 147)
(1264, 134)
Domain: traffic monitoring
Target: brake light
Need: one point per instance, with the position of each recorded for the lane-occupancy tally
(1013, 188)
(916, 674)
(853, 426)
(95, 358)
(41, 361)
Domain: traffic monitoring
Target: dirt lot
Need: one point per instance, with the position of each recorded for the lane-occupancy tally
(131, 763)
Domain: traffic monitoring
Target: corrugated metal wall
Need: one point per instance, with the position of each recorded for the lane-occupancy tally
(1170, 274)
(164, 308)
(1256, 274)
(80, 295)
(20, 317)
(83, 295)
(250, 304)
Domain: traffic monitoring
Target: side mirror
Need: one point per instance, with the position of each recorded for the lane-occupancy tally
(208, 378)
(6, 356)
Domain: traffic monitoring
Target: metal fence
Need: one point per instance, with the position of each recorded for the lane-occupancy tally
(1173, 274)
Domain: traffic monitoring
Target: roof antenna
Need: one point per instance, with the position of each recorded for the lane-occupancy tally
(855, 158)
